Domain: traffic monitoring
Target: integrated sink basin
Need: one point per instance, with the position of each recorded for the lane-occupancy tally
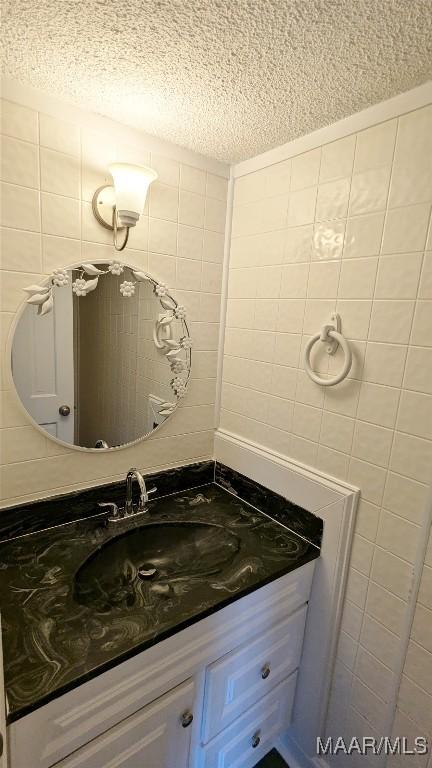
(80, 597)
(152, 558)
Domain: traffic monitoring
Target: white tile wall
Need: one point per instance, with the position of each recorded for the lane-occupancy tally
(49, 172)
(350, 231)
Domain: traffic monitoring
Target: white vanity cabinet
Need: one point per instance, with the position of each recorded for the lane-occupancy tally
(234, 671)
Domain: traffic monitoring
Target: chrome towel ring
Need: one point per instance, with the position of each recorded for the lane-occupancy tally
(331, 335)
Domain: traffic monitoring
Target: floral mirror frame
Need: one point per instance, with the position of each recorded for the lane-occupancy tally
(177, 351)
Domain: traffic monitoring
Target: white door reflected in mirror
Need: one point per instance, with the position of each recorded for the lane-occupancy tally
(101, 355)
(43, 365)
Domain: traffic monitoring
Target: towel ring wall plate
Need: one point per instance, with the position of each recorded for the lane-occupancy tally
(331, 335)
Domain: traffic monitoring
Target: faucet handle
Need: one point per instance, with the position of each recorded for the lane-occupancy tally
(115, 512)
(144, 499)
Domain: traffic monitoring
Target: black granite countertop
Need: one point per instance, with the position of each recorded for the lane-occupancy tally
(79, 598)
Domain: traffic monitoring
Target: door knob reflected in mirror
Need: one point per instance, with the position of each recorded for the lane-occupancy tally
(186, 718)
(64, 410)
(256, 739)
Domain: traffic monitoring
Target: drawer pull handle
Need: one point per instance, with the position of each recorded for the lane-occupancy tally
(256, 738)
(186, 718)
(265, 671)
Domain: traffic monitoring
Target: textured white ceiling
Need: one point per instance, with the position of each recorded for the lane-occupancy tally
(228, 78)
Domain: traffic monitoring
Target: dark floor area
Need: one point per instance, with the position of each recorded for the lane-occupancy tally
(272, 760)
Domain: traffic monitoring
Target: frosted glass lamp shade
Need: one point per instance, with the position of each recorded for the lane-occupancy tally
(131, 183)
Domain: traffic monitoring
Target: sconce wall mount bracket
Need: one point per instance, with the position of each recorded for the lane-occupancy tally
(103, 205)
(106, 213)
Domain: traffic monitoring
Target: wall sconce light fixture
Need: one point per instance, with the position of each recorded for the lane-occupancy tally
(119, 206)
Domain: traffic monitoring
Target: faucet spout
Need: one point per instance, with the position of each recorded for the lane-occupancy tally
(144, 493)
(134, 473)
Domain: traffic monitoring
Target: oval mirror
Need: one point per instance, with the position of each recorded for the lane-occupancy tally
(101, 355)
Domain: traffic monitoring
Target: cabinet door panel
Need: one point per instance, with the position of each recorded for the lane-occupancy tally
(152, 738)
(251, 736)
(242, 677)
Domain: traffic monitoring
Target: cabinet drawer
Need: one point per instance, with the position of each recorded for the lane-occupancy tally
(154, 737)
(247, 740)
(242, 677)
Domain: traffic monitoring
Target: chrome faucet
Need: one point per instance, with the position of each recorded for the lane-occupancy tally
(120, 513)
(144, 494)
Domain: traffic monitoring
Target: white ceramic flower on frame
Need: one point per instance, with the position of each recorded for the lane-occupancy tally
(79, 286)
(60, 277)
(180, 312)
(127, 289)
(179, 386)
(116, 268)
(186, 342)
(82, 287)
(161, 289)
(177, 365)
